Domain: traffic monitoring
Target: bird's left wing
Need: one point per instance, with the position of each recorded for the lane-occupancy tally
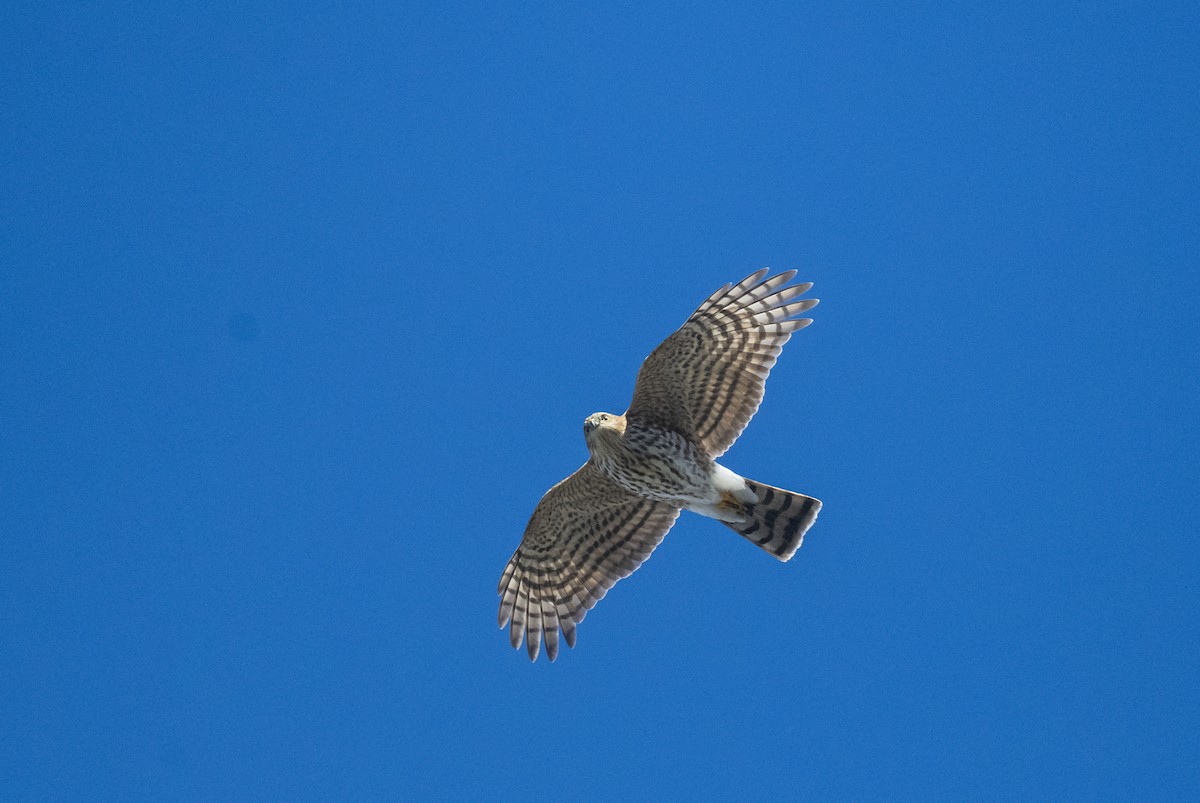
(585, 535)
(707, 378)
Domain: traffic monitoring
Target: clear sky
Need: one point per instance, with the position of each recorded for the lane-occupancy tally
(302, 309)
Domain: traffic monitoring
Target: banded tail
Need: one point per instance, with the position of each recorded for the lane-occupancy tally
(779, 520)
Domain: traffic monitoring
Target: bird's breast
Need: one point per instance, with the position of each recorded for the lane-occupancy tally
(658, 464)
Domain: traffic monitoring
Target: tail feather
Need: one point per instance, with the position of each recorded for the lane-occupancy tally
(778, 520)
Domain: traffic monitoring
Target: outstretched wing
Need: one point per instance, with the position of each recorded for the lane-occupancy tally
(707, 379)
(585, 535)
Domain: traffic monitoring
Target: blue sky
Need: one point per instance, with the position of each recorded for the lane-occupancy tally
(301, 310)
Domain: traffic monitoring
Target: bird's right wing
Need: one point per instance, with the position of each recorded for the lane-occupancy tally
(707, 378)
(585, 535)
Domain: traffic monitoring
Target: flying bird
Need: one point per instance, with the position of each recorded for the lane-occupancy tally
(694, 395)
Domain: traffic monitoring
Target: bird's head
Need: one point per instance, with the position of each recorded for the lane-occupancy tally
(602, 425)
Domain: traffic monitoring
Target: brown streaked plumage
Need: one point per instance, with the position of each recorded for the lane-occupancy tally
(694, 395)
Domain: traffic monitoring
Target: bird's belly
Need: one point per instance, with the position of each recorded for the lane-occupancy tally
(664, 479)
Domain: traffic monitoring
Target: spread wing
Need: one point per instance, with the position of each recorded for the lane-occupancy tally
(707, 378)
(585, 535)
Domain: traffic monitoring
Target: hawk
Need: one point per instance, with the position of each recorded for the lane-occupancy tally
(694, 395)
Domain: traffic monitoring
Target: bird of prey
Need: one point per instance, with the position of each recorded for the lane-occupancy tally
(694, 395)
